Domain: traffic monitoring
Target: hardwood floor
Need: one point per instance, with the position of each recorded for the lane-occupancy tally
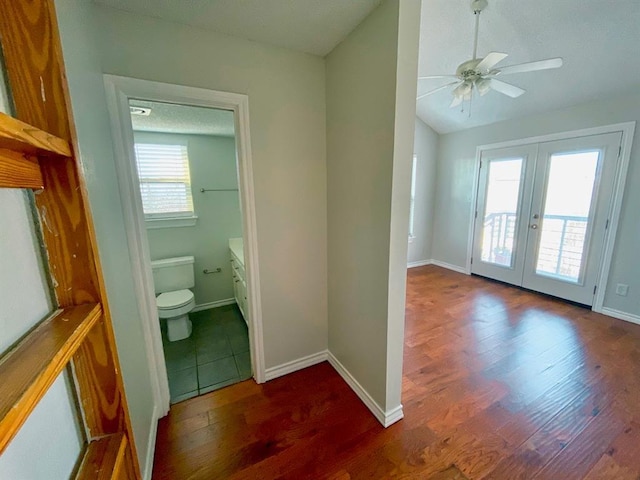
(498, 383)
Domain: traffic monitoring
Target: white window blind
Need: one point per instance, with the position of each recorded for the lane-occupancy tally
(165, 184)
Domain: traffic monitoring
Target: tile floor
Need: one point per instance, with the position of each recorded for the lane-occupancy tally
(214, 356)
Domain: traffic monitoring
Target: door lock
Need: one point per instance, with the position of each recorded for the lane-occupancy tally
(536, 216)
(534, 227)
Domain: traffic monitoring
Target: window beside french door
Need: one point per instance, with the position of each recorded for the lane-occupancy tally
(541, 214)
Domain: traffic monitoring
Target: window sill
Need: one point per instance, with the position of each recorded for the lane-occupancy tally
(170, 222)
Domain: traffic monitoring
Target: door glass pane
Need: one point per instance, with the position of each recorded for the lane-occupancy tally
(500, 212)
(565, 220)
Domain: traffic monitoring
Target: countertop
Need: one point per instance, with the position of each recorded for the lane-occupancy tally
(236, 245)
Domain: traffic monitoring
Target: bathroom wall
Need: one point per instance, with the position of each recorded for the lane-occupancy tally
(286, 93)
(212, 164)
(49, 443)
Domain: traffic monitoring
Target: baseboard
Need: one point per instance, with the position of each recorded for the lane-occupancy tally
(219, 303)
(295, 365)
(628, 317)
(420, 263)
(385, 418)
(151, 446)
(449, 266)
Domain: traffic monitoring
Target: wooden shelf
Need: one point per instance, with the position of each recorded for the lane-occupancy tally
(21, 137)
(20, 147)
(104, 458)
(28, 370)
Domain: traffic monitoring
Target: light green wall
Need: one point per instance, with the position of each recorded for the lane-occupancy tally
(212, 164)
(286, 93)
(456, 160)
(363, 73)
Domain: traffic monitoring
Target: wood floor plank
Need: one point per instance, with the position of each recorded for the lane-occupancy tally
(499, 383)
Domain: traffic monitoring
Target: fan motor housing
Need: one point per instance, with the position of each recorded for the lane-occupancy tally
(467, 70)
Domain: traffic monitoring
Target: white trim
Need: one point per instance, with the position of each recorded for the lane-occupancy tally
(119, 90)
(216, 304)
(295, 365)
(450, 266)
(170, 222)
(472, 215)
(627, 129)
(619, 314)
(385, 418)
(151, 445)
(419, 263)
(134, 223)
(552, 137)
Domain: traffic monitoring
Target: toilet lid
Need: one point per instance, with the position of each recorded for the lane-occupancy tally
(174, 299)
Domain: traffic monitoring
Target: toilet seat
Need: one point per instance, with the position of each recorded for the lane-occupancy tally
(175, 299)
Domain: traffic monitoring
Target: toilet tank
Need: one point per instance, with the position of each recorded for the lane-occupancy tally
(173, 274)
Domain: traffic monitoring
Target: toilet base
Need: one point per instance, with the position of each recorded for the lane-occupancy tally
(178, 328)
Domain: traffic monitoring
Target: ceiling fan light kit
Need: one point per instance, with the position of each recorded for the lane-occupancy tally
(480, 74)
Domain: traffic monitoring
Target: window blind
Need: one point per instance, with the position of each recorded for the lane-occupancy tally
(165, 185)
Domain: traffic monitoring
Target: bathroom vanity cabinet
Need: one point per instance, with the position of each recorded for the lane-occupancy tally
(236, 251)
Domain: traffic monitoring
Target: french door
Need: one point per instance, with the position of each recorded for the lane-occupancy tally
(542, 214)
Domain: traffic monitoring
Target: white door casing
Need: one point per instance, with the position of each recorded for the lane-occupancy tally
(119, 90)
(616, 178)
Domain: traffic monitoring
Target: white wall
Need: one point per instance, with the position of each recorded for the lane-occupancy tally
(425, 146)
(405, 114)
(212, 164)
(456, 156)
(48, 444)
(367, 179)
(77, 29)
(287, 118)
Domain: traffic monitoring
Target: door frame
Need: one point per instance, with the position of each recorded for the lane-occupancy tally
(119, 91)
(627, 129)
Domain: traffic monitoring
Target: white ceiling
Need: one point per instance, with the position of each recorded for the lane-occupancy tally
(312, 26)
(598, 39)
(184, 119)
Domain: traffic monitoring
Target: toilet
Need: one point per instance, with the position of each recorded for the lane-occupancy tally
(172, 279)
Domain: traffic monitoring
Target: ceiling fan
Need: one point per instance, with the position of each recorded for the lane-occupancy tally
(480, 74)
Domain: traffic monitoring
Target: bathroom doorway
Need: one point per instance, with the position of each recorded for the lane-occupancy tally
(186, 183)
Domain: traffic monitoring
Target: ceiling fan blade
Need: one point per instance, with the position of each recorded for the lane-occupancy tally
(429, 77)
(430, 92)
(506, 88)
(532, 66)
(490, 61)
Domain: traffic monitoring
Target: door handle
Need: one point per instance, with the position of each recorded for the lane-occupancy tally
(534, 227)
